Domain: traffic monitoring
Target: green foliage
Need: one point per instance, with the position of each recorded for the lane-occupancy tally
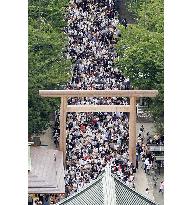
(141, 55)
(47, 65)
(134, 5)
(148, 13)
(151, 15)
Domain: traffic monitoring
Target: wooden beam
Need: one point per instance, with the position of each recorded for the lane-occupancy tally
(62, 138)
(98, 93)
(98, 108)
(132, 131)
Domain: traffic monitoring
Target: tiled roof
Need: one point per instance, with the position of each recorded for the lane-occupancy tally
(108, 189)
(128, 196)
(46, 175)
(92, 194)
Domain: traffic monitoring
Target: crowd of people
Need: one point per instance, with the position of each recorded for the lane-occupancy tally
(156, 139)
(97, 139)
(44, 199)
(94, 139)
(142, 153)
(56, 129)
(147, 157)
(92, 35)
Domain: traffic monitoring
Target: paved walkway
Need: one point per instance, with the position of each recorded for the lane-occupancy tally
(141, 183)
(158, 197)
(142, 180)
(47, 139)
(149, 127)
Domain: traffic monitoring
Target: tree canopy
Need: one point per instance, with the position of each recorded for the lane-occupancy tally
(141, 54)
(48, 67)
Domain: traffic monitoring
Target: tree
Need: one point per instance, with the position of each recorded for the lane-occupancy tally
(48, 66)
(141, 55)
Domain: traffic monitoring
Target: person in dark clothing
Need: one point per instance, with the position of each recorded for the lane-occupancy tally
(137, 166)
(30, 200)
(124, 22)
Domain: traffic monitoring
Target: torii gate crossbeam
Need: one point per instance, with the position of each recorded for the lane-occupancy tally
(64, 108)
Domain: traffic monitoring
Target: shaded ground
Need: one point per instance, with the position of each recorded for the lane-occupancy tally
(47, 139)
(122, 8)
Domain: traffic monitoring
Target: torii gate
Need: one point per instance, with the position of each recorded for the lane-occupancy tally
(132, 94)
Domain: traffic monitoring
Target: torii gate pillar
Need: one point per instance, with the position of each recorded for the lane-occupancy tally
(63, 134)
(132, 131)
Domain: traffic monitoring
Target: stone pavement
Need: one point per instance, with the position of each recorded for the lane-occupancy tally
(141, 183)
(47, 139)
(149, 127)
(142, 180)
(158, 197)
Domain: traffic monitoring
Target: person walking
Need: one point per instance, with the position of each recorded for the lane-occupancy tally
(30, 200)
(54, 157)
(148, 168)
(137, 165)
(146, 163)
(155, 178)
(161, 187)
(147, 191)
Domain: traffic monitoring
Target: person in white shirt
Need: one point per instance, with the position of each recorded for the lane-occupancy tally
(146, 163)
(161, 187)
(148, 168)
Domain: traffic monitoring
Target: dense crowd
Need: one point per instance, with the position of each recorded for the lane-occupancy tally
(94, 139)
(44, 199)
(97, 139)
